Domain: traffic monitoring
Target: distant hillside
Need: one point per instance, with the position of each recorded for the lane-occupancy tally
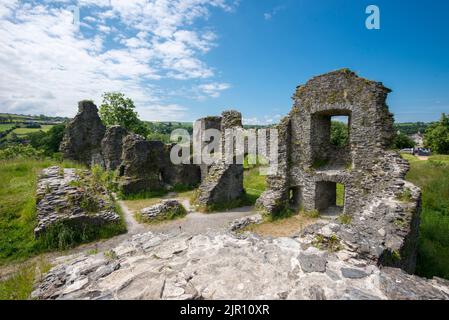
(10, 118)
(410, 128)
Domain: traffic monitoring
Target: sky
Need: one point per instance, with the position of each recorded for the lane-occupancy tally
(180, 60)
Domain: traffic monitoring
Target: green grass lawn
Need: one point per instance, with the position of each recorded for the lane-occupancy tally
(432, 177)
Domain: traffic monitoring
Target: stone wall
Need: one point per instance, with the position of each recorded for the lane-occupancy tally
(223, 182)
(141, 169)
(141, 165)
(112, 147)
(83, 135)
(383, 228)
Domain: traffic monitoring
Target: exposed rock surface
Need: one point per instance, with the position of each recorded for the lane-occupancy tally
(112, 146)
(82, 138)
(61, 197)
(162, 209)
(221, 266)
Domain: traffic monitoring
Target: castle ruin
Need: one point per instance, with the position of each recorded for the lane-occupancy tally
(370, 176)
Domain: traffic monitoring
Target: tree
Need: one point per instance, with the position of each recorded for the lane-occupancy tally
(117, 109)
(339, 133)
(48, 141)
(402, 141)
(437, 136)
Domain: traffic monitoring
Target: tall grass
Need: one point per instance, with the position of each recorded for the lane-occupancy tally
(433, 178)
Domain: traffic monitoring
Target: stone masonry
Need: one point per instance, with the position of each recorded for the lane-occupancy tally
(141, 168)
(112, 147)
(223, 182)
(384, 225)
(141, 165)
(82, 139)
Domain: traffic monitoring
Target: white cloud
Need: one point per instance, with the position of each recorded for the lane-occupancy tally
(269, 15)
(212, 90)
(48, 65)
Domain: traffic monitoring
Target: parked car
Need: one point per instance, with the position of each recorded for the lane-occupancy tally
(423, 152)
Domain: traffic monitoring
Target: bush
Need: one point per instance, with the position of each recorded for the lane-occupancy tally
(49, 141)
(21, 152)
(402, 141)
(437, 136)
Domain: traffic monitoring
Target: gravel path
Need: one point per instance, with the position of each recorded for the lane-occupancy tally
(193, 224)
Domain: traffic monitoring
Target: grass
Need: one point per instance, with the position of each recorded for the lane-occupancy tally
(18, 214)
(243, 201)
(20, 285)
(286, 227)
(254, 183)
(5, 127)
(25, 131)
(137, 204)
(432, 177)
(340, 195)
(331, 244)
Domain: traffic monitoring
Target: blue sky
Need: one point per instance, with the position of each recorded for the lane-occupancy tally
(184, 59)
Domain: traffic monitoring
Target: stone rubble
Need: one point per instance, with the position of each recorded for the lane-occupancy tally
(163, 208)
(241, 223)
(59, 197)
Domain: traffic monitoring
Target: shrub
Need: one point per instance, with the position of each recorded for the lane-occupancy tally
(21, 152)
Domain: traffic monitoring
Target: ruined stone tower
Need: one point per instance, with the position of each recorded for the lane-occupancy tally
(312, 170)
(221, 182)
(312, 165)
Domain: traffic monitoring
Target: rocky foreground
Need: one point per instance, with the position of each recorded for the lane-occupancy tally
(225, 266)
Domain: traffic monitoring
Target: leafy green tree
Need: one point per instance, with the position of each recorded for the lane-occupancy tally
(48, 141)
(402, 141)
(437, 136)
(117, 109)
(339, 134)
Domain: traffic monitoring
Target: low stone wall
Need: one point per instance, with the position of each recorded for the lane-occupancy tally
(62, 197)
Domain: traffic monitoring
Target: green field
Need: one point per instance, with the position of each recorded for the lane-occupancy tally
(6, 126)
(432, 177)
(25, 131)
